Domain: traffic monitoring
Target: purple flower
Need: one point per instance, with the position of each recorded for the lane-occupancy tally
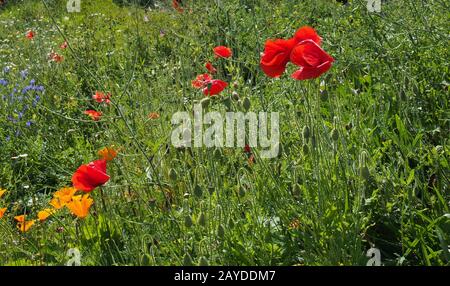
(6, 69)
(29, 123)
(3, 82)
(24, 74)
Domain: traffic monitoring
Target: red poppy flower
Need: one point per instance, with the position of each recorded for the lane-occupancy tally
(101, 97)
(308, 54)
(214, 87)
(88, 177)
(30, 35)
(312, 59)
(63, 45)
(176, 6)
(95, 115)
(210, 68)
(247, 149)
(201, 80)
(276, 56)
(222, 52)
(56, 58)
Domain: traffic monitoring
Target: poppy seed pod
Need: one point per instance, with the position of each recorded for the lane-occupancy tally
(173, 174)
(313, 141)
(235, 95)
(198, 192)
(363, 169)
(227, 102)
(306, 133)
(188, 221)
(201, 219)
(221, 231)
(334, 134)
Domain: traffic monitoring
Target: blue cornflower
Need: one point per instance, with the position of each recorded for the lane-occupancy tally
(24, 74)
(3, 82)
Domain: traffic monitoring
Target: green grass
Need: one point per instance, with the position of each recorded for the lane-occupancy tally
(386, 96)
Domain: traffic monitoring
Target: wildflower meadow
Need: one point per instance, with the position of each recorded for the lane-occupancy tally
(224, 132)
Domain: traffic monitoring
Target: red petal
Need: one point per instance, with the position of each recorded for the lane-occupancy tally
(309, 54)
(311, 72)
(222, 52)
(307, 33)
(276, 56)
(216, 86)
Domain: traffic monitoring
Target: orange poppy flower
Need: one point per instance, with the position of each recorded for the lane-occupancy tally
(2, 212)
(80, 205)
(107, 153)
(44, 214)
(2, 192)
(22, 224)
(154, 115)
(62, 197)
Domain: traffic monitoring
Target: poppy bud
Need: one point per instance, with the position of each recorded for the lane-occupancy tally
(365, 173)
(173, 174)
(187, 260)
(246, 104)
(203, 261)
(188, 221)
(198, 192)
(334, 134)
(221, 231)
(227, 102)
(217, 154)
(230, 223)
(313, 141)
(201, 219)
(306, 133)
(235, 95)
(363, 169)
(305, 149)
(241, 191)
